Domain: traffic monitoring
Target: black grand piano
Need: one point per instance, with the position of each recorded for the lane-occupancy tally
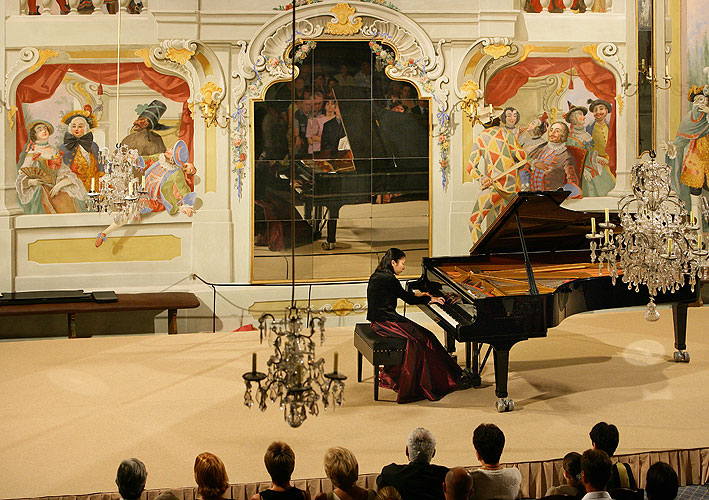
(388, 154)
(529, 271)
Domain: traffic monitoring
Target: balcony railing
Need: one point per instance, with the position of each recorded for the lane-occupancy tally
(560, 6)
(73, 7)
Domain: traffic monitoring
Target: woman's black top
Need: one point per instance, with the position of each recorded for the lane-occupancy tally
(382, 292)
(291, 493)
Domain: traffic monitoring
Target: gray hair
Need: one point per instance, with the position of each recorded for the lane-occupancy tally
(421, 445)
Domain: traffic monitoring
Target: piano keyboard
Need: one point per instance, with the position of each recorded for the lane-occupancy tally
(443, 314)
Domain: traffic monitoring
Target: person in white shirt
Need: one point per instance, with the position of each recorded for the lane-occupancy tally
(492, 480)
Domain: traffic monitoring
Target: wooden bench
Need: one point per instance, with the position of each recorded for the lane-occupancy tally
(380, 351)
(172, 301)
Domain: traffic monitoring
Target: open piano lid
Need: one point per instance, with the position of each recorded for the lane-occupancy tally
(546, 225)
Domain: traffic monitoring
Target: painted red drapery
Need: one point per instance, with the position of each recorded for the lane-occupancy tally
(598, 80)
(42, 84)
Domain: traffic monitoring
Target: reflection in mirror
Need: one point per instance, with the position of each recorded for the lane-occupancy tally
(646, 69)
(362, 168)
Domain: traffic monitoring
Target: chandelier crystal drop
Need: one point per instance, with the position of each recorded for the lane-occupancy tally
(660, 244)
(119, 190)
(295, 378)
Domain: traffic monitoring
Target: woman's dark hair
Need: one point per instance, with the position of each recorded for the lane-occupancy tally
(392, 254)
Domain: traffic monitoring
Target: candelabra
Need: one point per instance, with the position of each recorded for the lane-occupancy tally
(660, 245)
(295, 378)
(119, 192)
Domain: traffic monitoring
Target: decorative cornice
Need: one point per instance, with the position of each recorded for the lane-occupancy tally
(526, 50)
(144, 54)
(44, 54)
(591, 50)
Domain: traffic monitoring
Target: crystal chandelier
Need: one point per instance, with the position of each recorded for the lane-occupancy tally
(295, 378)
(659, 245)
(119, 191)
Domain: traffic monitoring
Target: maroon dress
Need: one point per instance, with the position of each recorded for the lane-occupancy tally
(428, 371)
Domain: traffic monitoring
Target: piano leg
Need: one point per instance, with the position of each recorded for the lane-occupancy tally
(501, 356)
(333, 213)
(679, 318)
(450, 343)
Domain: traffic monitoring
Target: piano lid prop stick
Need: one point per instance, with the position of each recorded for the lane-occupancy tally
(593, 225)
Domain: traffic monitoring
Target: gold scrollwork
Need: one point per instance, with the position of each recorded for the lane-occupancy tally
(528, 49)
(343, 307)
(179, 56)
(344, 26)
(11, 116)
(144, 54)
(619, 100)
(592, 50)
(44, 54)
(209, 105)
(562, 86)
(553, 114)
(497, 51)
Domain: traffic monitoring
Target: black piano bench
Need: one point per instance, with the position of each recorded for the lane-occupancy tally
(380, 351)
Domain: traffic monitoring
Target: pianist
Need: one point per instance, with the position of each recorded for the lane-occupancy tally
(427, 371)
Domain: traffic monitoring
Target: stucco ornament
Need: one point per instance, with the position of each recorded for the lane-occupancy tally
(344, 22)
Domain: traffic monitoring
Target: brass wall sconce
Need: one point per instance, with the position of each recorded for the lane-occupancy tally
(646, 73)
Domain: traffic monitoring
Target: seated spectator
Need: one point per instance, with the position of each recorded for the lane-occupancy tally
(388, 493)
(605, 437)
(210, 476)
(280, 462)
(661, 482)
(166, 495)
(419, 479)
(458, 484)
(342, 469)
(595, 473)
(130, 478)
(492, 480)
(572, 476)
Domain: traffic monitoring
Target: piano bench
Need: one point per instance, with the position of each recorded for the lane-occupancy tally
(380, 351)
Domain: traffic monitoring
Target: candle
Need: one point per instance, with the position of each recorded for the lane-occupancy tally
(142, 183)
(669, 246)
(699, 241)
(649, 73)
(253, 363)
(593, 225)
(490, 109)
(299, 374)
(667, 69)
(93, 184)
(691, 218)
(606, 232)
(130, 189)
(334, 362)
(606, 216)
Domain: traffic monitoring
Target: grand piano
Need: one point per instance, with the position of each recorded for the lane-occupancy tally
(388, 154)
(528, 271)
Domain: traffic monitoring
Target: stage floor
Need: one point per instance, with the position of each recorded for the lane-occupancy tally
(71, 410)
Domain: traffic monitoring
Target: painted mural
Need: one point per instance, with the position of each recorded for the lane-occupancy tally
(67, 113)
(688, 153)
(553, 128)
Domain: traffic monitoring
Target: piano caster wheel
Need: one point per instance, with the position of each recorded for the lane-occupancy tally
(504, 404)
(681, 357)
(328, 246)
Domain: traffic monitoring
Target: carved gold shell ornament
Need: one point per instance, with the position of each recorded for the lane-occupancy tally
(344, 21)
(179, 56)
(497, 51)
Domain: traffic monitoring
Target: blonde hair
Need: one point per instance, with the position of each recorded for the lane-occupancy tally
(341, 467)
(210, 476)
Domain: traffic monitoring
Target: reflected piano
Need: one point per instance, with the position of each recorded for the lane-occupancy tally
(389, 153)
(528, 271)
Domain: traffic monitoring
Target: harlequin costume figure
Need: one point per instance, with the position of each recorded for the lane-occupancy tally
(79, 151)
(495, 153)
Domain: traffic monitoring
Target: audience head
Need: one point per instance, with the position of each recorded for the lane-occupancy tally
(572, 468)
(280, 462)
(210, 476)
(166, 495)
(420, 446)
(388, 493)
(341, 467)
(605, 437)
(458, 484)
(661, 482)
(595, 469)
(488, 441)
(130, 478)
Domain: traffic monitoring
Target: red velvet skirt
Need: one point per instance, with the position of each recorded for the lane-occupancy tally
(428, 371)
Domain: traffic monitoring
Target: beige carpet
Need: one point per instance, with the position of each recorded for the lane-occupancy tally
(70, 410)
